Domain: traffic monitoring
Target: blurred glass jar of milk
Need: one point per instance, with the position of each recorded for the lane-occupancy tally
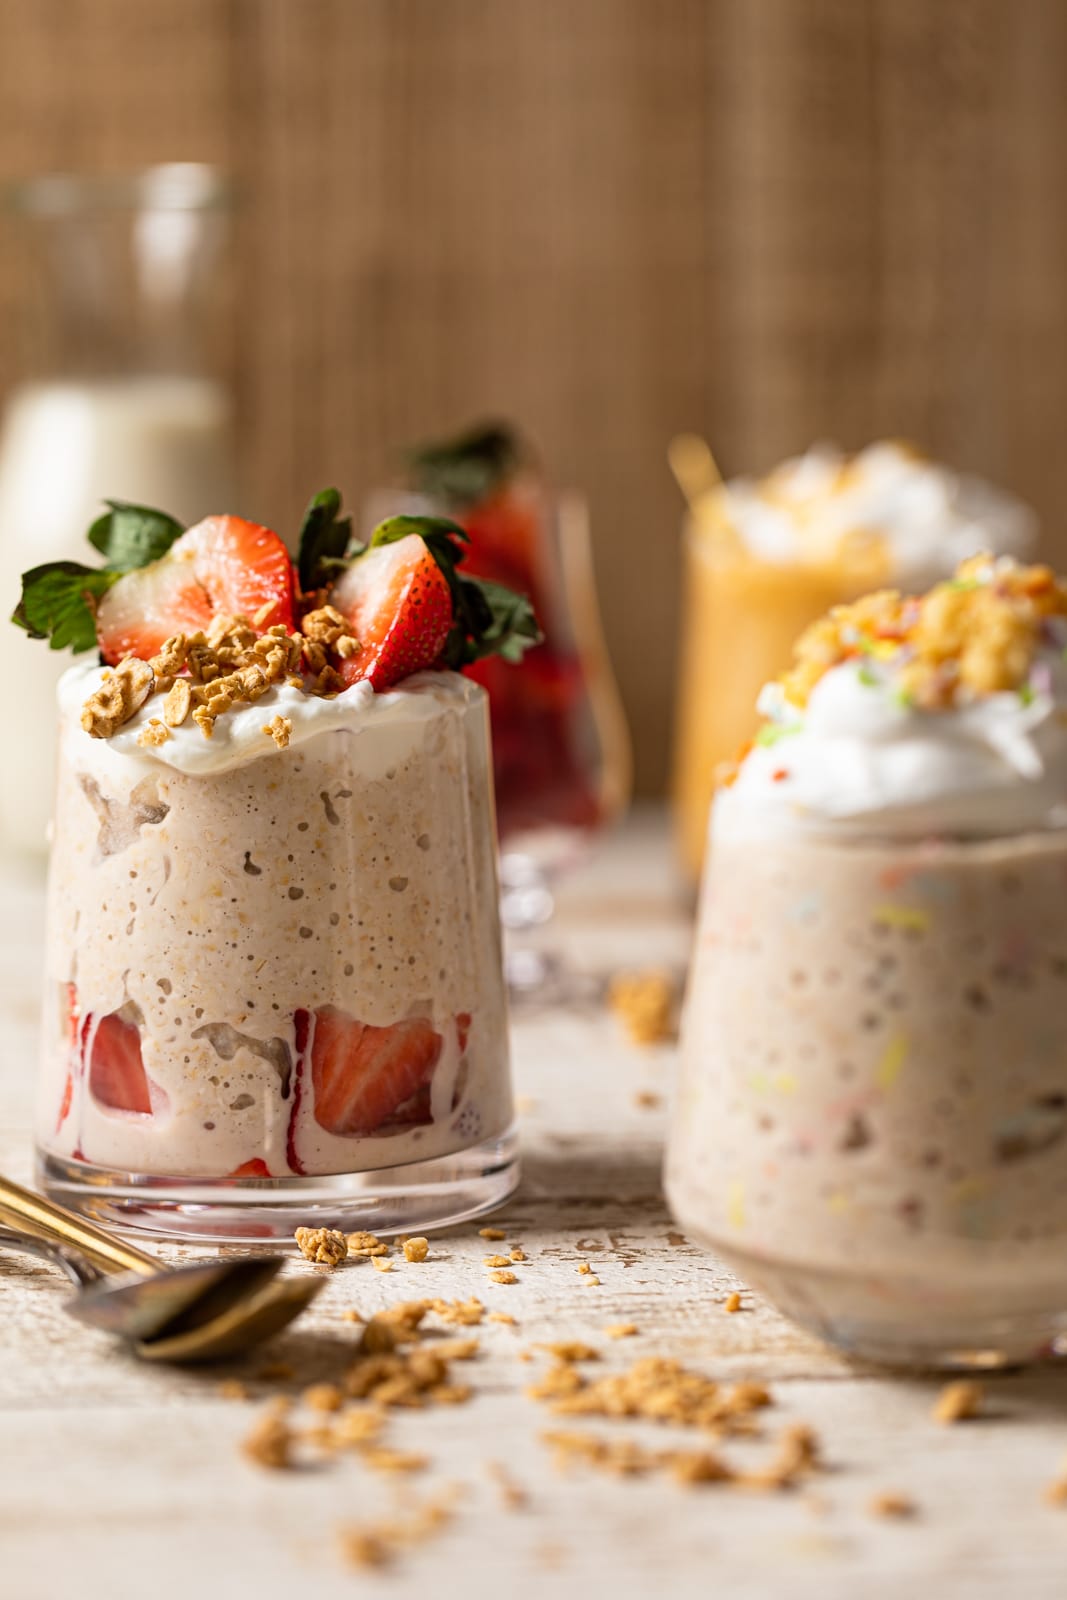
(121, 396)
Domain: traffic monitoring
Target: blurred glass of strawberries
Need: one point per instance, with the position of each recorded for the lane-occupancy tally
(547, 747)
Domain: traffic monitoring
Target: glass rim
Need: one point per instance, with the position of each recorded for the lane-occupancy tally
(165, 186)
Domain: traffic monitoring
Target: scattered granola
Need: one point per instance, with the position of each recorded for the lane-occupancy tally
(270, 1442)
(496, 1261)
(502, 1316)
(416, 1249)
(324, 1245)
(491, 1233)
(512, 1495)
(153, 734)
(279, 728)
(732, 1302)
(644, 1003)
(959, 1401)
(661, 1390)
(583, 1266)
(204, 675)
(571, 1350)
(382, 1459)
(503, 1277)
(891, 1504)
(376, 1545)
(621, 1330)
(366, 1244)
(517, 1253)
(381, 1264)
(647, 1100)
(323, 1397)
(233, 1389)
(122, 692)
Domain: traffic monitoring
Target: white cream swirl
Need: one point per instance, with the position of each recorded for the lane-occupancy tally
(929, 517)
(859, 762)
(239, 735)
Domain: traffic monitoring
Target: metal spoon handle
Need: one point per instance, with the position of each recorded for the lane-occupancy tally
(81, 1272)
(30, 1213)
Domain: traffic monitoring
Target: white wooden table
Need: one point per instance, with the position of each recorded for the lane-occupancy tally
(120, 1481)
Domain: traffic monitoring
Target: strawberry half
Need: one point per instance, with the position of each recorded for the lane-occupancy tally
(399, 605)
(222, 566)
(362, 1074)
(255, 1168)
(117, 1078)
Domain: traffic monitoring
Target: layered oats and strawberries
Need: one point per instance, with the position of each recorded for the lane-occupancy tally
(273, 945)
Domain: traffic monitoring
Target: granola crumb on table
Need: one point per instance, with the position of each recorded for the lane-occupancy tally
(322, 1245)
(893, 1505)
(270, 1442)
(959, 1401)
(416, 1249)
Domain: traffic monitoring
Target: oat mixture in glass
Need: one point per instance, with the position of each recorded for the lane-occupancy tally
(872, 1121)
(273, 956)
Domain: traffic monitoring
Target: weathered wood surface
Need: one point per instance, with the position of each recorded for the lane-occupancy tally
(118, 1481)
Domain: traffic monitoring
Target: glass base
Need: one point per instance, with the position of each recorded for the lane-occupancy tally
(912, 1323)
(408, 1199)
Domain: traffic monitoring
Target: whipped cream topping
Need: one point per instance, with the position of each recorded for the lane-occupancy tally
(238, 736)
(929, 518)
(859, 760)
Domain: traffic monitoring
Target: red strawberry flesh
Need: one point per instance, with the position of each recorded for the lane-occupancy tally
(117, 1077)
(399, 605)
(362, 1074)
(223, 566)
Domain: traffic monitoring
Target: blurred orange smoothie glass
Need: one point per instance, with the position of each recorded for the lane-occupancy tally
(764, 558)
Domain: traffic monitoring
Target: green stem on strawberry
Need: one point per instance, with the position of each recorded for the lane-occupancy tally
(469, 468)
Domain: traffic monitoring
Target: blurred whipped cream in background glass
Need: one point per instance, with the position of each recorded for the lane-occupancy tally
(763, 558)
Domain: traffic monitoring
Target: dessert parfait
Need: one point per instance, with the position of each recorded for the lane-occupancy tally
(274, 985)
(560, 751)
(764, 558)
(872, 1117)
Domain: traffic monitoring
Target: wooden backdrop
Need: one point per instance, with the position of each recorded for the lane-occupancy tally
(767, 219)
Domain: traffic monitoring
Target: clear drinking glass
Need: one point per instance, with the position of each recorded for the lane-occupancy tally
(274, 992)
(871, 1124)
(561, 753)
(122, 392)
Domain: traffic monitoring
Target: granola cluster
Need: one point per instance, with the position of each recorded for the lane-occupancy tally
(203, 675)
(974, 635)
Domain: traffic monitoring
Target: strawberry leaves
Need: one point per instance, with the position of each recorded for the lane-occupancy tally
(464, 470)
(324, 540)
(59, 598)
(59, 603)
(488, 619)
(129, 536)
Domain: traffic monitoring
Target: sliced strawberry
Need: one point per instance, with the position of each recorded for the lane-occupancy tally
(243, 567)
(144, 608)
(255, 1168)
(363, 1074)
(117, 1078)
(399, 605)
(223, 566)
(463, 1028)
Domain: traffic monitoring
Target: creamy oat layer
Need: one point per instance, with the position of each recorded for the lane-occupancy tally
(293, 919)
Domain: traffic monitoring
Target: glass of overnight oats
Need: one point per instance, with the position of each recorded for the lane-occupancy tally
(274, 980)
(872, 1116)
(764, 558)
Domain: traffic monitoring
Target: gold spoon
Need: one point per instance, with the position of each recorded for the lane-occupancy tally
(200, 1312)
